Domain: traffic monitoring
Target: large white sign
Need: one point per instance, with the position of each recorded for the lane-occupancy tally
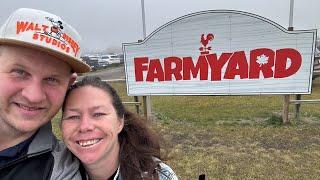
(221, 53)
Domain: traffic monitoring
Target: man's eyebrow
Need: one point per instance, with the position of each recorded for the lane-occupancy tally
(55, 73)
(19, 65)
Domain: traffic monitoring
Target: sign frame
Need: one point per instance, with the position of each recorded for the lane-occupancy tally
(145, 89)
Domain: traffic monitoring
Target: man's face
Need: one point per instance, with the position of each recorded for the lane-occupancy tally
(32, 88)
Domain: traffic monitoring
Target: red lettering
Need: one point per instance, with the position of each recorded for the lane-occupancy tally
(76, 50)
(30, 27)
(189, 68)
(42, 37)
(21, 26)
(237, 65)
(37, 28)
(35, 36)
(75, 47)
(64, 36)
(59, 43)
(170, 70)
(44, 27)
(139, 67)
(68, 49)
(63, 46)
(282, 57)
(155, 71)
(217, 64)
(48, 39)
(54, 42)
(261, 60)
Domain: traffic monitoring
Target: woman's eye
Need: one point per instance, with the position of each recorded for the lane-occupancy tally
(72, 117)
(98, 114)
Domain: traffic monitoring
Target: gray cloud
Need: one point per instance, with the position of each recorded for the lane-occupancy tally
(105, 24)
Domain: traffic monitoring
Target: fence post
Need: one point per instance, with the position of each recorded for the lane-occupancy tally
(297, 112)
(146, 99)
(136, 99)
(286, 100)
(147, 107)
(285, 115)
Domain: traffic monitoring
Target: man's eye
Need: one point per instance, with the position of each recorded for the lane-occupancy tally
(19, 73)
(52, 80)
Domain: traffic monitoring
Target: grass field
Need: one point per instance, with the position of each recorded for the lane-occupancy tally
(236, 137)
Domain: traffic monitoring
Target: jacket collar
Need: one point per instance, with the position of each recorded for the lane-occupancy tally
(43, 141)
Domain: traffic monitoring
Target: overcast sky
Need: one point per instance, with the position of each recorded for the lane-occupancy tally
(105, 24)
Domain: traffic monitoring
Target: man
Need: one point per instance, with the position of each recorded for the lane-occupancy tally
(37, 64)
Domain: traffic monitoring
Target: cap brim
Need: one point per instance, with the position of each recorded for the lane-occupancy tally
(76, 64)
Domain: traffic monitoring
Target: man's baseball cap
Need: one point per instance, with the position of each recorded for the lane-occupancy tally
(45, 32)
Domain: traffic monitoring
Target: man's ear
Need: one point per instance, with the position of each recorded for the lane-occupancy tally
(73, 78)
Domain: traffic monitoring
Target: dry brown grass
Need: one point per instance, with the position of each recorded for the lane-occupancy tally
(243, 152)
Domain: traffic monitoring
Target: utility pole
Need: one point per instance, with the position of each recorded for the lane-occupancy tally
(144, 35)
(290, 28)
(146, 99)
(286, 99)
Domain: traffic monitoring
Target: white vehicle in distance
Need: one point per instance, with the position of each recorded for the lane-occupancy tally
(101, 62)
(111, 58)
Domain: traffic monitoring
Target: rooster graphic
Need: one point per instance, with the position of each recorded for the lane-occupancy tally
(204, 41)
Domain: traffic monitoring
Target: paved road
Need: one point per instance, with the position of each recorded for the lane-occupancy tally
(109, 73)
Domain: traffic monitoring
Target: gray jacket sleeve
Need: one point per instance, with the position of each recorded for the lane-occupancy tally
(166, 173)
(66, 166)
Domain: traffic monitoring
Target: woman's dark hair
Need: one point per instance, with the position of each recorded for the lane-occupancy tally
(139, 145)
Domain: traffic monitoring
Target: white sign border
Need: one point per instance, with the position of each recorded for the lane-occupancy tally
(314, 31)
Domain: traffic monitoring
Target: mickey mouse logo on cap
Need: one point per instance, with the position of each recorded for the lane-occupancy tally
(56, 28)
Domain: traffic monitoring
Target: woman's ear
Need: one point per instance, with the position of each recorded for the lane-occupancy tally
(120, 125)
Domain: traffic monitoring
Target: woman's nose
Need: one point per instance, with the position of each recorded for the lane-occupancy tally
(86, 124)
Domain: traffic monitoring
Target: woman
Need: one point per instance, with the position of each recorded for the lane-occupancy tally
(111, 142)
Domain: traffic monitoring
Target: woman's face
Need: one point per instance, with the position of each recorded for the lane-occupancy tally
(90, 125)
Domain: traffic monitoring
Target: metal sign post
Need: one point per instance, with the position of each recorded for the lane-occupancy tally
(286, 99)
(146, 99)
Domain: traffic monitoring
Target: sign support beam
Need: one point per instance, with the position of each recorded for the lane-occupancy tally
(146, 99)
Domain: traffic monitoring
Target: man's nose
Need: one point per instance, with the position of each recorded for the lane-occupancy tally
(85, 124)
(34, 92)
